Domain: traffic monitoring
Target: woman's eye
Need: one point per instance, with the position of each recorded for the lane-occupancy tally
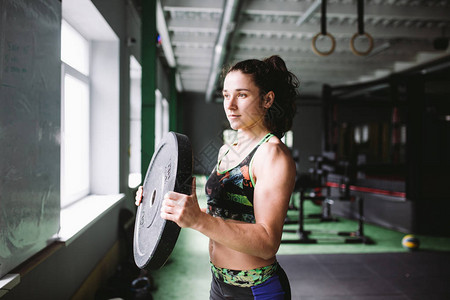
(226, 96)
(242, 95)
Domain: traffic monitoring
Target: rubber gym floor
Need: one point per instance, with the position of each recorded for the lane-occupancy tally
(327, 270)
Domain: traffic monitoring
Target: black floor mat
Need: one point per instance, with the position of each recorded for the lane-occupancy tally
(389, 276)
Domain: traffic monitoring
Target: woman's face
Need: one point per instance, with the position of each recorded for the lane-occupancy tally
(242, 101)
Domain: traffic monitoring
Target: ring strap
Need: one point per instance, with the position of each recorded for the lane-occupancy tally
(360, 6)
(323, 18)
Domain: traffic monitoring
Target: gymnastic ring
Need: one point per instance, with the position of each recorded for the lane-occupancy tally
(352, 44)
(333, 44)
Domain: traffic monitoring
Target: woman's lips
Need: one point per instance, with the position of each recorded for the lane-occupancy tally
(233, 116)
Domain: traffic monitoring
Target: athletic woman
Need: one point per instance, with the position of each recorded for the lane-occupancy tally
(248, 191)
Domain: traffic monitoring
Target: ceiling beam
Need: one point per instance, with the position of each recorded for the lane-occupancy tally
(208, 6)
(188, 25)
(342, 44)
(349, 10)
(164, 33)
(304, 56)
(307, 30)
(204, 53)
(193, 70)
(312, 9)
(338, 31)
(206, 40)
(199, 77)
(193, 61)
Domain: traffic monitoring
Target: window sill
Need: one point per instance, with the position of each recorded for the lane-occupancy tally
(78, 217)
(8, 282)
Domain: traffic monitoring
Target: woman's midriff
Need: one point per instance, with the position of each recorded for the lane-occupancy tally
(224, 257)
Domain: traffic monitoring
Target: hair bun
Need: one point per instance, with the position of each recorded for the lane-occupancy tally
(276, 63)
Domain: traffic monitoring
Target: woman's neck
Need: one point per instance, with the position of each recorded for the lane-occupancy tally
(248, 138)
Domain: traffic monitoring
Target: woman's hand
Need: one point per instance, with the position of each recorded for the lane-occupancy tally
(139, 195)
(180, 208)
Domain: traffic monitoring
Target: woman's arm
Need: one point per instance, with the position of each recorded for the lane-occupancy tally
(274, 170)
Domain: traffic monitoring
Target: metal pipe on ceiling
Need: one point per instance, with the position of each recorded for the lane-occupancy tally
(230, 15)
(309, 12)
(161, 25)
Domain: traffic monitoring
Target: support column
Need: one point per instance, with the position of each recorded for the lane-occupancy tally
(149, 35)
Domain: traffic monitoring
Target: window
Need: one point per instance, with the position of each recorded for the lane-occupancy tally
(135, 176)
(161, 117)
(288, 139)
(74, 49)
(90, 117)
(74, 115)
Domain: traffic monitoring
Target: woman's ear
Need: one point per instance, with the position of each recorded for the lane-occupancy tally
(268, 99)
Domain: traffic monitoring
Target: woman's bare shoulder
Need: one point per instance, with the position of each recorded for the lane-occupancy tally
(275, 147)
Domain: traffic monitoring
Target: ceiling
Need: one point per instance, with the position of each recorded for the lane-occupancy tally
(403, 34)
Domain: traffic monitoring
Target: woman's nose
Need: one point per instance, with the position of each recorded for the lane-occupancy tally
(230, 103)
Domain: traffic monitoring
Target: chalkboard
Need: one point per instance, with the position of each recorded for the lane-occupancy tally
(30, 92)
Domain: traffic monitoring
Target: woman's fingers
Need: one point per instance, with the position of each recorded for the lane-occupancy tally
(194, 183)
(177, 207)
(167, 202)
(171, 210)
(139, 195)
(180, 208)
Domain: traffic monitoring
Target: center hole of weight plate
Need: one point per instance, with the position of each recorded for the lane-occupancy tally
(152, 200)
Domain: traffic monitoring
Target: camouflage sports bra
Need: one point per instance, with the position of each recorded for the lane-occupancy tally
(230, 193)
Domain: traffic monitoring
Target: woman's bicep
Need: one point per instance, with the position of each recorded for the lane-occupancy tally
(273, 188)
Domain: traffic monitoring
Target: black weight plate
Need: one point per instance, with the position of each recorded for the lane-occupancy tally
(170, 170)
